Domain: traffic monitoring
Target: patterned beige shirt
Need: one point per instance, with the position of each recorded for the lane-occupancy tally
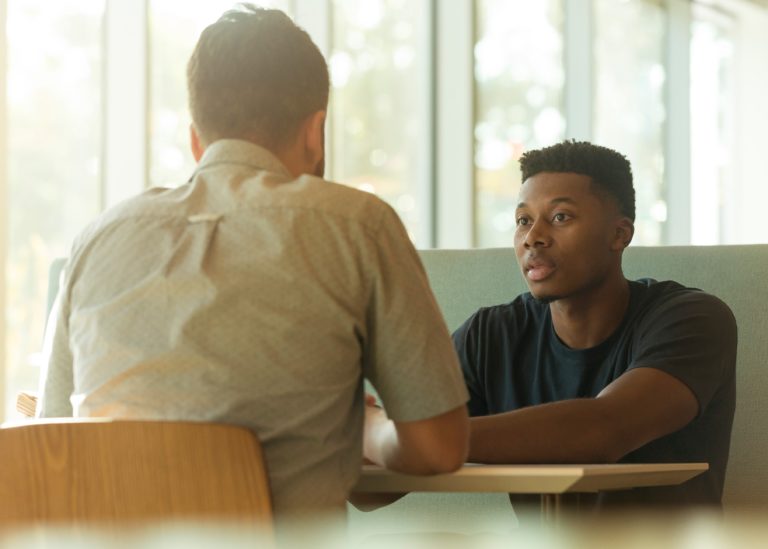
(250, 297)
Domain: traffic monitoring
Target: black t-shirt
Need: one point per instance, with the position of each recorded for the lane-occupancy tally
(511, 358)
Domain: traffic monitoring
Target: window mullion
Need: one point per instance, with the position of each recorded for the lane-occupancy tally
(314, 16)
(125, 100)
(4, 201)
(454, 135)
(426, 190)
(579, 69)
(677, 172)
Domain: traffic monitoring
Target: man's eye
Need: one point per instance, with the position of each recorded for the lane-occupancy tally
(522, 221)
(560, 217)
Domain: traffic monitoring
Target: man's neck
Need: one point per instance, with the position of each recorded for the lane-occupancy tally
(585, 321)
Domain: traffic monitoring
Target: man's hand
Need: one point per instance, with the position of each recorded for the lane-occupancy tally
(376, 421)
(370, 400)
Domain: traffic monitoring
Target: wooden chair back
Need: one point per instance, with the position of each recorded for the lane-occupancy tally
(102, 470)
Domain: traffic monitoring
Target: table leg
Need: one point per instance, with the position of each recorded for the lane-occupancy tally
(550, 509)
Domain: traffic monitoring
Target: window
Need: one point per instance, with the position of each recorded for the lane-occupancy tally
(432, 104)
(519, 77)
(629, 101)
(54, 149)
(379, 115)
(712, 46)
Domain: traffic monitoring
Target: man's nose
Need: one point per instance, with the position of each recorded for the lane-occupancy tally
(537, 236)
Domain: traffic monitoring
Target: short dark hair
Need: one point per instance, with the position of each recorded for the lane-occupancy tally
(608, 169)
(255, 75)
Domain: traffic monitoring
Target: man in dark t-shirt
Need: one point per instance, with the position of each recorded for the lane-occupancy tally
(589, 367)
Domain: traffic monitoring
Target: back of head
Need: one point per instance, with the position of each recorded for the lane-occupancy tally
(609, 170)
(255, 75)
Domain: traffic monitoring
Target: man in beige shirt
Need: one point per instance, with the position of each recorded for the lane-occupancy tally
(260, 294)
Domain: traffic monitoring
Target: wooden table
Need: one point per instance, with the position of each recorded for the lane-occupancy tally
(550, 481)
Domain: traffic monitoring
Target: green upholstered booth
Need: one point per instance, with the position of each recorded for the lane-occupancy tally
(464, 280)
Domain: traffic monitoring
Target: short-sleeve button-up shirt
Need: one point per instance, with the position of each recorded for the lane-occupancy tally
(252, 297)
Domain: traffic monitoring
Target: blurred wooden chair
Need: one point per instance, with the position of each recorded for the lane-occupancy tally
(117, 471)
(26, 403)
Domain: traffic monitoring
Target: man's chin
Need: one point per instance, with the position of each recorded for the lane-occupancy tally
(543, 299)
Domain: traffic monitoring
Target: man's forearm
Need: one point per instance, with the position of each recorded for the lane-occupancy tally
(569, 431)
(641, 405)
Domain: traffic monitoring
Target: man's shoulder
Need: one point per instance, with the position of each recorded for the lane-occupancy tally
(141, 205)
(315, 200)
(522, 310)
(668, 304)
(669, 294)
(345, 201)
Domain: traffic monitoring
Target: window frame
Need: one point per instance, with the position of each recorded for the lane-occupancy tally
(3, 201)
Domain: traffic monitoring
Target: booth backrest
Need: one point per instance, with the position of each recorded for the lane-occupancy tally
(464, 280)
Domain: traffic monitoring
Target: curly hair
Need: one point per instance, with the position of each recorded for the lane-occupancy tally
(254, 74)
(608, 169)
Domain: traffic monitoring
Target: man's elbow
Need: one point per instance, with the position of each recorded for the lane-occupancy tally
(613, 441)
(438, 445)
(453, 447)
(449, 460)
(451, 463)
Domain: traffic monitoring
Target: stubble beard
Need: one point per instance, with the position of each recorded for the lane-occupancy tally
(545, 299)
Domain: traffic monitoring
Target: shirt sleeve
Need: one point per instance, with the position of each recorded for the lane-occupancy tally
(408, 355)
(56, 377)
(691, 336)
(465, 342)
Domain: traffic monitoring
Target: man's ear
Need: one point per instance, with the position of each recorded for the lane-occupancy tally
(625, 230)
(195, 143)
(314, 137)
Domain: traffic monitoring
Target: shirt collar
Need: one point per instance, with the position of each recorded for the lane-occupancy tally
(244, 153)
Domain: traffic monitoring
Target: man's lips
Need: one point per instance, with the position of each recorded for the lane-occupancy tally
(538, 269)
